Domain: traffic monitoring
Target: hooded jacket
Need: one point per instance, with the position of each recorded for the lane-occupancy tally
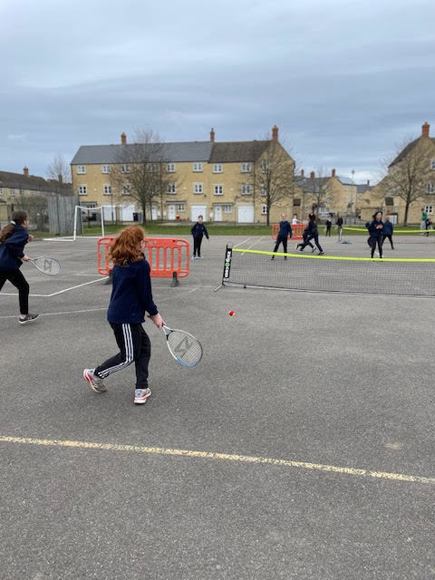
(12, 249)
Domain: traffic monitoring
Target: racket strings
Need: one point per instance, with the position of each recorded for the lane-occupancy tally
(185, 348)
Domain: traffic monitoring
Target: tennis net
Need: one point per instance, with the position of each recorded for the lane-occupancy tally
(312, 273)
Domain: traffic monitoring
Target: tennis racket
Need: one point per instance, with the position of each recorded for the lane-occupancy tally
(46, 265)
(183, 346)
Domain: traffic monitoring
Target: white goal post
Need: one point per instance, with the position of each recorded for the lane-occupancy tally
(87, 209)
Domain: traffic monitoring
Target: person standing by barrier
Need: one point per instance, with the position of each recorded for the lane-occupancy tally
(13, 238)
(295, 220)
(375, 228)
(131, 298)
(339, 224)
(423, 219)
(387, 232)
(198, 232)
(285, 232)
(312, 234)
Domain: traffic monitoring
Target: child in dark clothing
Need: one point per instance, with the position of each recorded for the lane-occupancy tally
(387, 232)
(198, 232)
(375, 228)
(285, 232)
(13, 238)
(131, 298)
(312, 234)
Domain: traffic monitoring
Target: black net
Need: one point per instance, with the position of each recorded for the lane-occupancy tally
(412, 277)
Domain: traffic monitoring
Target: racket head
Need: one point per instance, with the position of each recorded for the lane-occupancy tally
(47, 265)
(183, 346)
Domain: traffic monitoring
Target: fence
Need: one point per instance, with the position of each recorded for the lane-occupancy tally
(297, 230)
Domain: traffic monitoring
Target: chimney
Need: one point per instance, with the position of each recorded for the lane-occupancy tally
(312, 175)
(26, 171)
(275, 133)
(212, 135)
(302, 173)
(60, 178)
(123, 138)
(425, 129)
(333, 173)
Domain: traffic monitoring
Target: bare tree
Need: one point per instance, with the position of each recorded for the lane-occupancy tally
(407, 175)
(59, 170)
(319, 190)
(141, 171)
(273, 176)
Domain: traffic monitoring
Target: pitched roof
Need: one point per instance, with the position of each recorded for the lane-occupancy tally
(31, 182)
(237, 151)
(189, 151)
(406, 150)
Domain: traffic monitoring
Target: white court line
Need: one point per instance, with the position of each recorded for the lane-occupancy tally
(59, 291)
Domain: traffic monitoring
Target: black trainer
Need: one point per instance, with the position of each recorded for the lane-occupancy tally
(25, 318)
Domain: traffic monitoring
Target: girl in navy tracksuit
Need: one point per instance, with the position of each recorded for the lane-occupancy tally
(13, 238)
(198, 232)
(285, 232)
(375, 228)
(131, 298)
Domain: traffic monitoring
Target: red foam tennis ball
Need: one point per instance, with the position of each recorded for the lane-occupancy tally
(231, 313)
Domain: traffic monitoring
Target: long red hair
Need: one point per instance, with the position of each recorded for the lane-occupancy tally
(127, 246)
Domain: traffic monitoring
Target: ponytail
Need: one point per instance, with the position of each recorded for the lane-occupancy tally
(18, 218)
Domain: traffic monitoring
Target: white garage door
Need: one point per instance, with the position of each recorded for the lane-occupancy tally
(198, 210)
(127, 212)
(245, 214)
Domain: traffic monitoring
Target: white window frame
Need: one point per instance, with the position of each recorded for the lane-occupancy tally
(107, 189)
(263, 192)
(171, 167)
(198, 188)
(428, 209)
(218, 168)
(83, 189)
(246, 167)
(171, 188)
(264, 165)
(81, 169)
(125, 168)
(246, 189)
(180, 207)
(218, 189)
(227, 208)
(126, 189)
(106, 169)
(430, 188)
(264, 209)
(432, 164)
(198, 167)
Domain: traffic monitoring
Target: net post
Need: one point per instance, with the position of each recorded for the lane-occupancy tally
(227, 264)
(175, 281)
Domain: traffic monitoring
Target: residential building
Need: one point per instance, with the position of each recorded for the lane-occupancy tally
(220, 180)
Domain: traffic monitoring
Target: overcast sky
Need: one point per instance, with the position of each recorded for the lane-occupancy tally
(346, 81)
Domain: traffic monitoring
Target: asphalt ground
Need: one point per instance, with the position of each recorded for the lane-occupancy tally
(301, 447)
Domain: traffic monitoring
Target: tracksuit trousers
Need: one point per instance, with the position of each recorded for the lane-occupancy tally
(134, 345)
(16, 278)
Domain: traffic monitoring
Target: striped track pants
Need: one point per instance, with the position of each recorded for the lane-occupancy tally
(134, 345)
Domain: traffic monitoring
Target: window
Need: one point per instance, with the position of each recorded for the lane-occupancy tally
(218, 168)
(171, 168)
(107, 189)
(432, 164)
(246, 189)
(428, 209)
(264, 165)
(227, 208)
(154, 167)
(296, 202)
(126, 189)
(106, 169)
(171, 188)
(218, 189)
(179, 207)
(246, 168)
(198, 188)
(125, 168)
(198, 167)
(81, 169)
(83, 190)
(264, 209)
(430, 187)
(263, 191)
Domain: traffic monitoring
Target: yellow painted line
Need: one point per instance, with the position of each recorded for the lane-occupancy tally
(219, 457)
(350, 229)
(341, 258)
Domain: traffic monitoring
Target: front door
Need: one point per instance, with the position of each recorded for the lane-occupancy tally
(217, 213)
(171, 212)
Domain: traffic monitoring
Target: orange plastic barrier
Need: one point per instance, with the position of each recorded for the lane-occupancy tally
(297, 230)
(167, 257)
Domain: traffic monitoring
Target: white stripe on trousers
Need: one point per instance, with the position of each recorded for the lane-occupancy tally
(129, 353)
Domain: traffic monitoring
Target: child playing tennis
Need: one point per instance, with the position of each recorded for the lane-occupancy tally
(13, 238)
(131, 298)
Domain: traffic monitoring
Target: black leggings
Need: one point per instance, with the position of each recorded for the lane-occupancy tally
(307, 242)
(197, 241)
(134, 345)
(16, 278)
(372, 243)
(282, 241)
(390, 237)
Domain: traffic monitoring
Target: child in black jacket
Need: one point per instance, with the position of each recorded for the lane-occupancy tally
(198, 232)
(13, 238)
